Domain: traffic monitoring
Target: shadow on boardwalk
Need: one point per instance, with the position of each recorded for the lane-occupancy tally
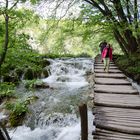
(117, 105)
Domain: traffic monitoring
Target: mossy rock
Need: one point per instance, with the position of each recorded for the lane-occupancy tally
(19, 72)
(41, 85)
(29, 74)
(45, 62)
(10, 78)
(37, 74)
(45, 72)
(16, 120)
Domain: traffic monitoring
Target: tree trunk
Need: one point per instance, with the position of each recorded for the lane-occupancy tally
(121, 41)
(120, 17)
(5, 46)
(132, 43)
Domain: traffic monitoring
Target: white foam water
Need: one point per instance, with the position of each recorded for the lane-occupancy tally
(67, 76)
(48, 133)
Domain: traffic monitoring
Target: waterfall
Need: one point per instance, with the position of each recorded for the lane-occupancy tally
(55, 115)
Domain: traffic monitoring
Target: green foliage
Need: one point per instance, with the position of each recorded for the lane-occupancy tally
(20, 57)
(17, 108)
(130, 65)
(30, 84)
(123, 62)
(18, 111)
(133, 70)
(51, 55)
(6, 90)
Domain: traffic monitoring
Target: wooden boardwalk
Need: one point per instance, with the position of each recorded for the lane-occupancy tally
(117, 105)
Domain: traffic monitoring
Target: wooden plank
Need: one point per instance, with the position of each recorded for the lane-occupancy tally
(118, 128)
(110, 75)
(101, 64)
(121, 111)
(117, 89)
(115, 123)
(102, 67)
(117, 104)
(110, 71)
(115, 100)
(113, 135)
(112, 81)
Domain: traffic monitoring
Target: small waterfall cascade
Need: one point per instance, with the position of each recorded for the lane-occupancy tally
(55, 115)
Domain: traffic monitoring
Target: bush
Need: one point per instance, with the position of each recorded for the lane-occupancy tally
(7, 90)
(130, 65)
(18, 111)
(30, 84)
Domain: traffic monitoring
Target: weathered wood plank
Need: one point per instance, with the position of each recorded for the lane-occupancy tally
(104, 119)
(102, 67)
(113, 134)
(110, 71)
(117, 104)
(117, 89)
(110, 75)
(115, 100)
(101, 64)
(112, 81)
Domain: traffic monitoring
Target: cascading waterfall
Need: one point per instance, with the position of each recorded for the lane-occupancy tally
(55, 115)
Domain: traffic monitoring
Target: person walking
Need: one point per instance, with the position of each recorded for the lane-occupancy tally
(107, 57)
(102, 45)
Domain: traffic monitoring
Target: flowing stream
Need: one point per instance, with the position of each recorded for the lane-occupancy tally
(55, 115)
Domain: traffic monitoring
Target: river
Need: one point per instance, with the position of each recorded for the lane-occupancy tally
(55, 115)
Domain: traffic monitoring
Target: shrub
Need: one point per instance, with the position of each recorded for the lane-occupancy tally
(6, 90)
(18, 111)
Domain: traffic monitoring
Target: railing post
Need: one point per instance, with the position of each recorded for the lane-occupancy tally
(84, 121)
(3, 133)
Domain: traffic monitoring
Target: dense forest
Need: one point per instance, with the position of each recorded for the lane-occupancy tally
(27, 39)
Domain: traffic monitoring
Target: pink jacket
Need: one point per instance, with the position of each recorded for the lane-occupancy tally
(104, 52)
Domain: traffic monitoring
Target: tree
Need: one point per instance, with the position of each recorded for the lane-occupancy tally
(10, 14)
(122, 15)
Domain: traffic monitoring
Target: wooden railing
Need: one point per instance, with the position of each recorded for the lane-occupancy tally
(84, 121)
(3, 133)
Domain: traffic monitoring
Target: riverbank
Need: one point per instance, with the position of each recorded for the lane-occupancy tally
(130, 65)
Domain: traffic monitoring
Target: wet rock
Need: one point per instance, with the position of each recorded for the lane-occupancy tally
(31, 99)
(64, 69)
(63, 79)
(10, 78)
(41, 85)
(45, 62)
(19, 72)
(45, 73)
(28, 75)
(89, 72)
(37, 74)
